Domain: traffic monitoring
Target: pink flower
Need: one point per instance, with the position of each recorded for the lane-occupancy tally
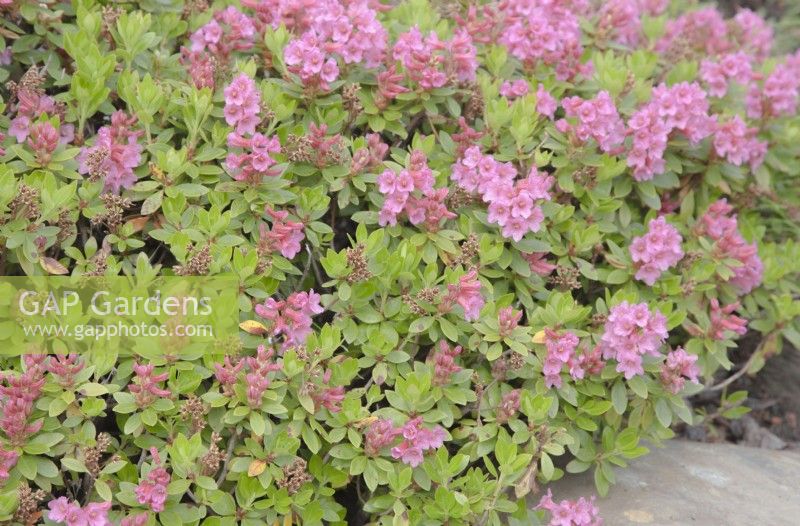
(201, 66)
(509, 406)
(64, 511)
(546, 104)
(291, 317)
(513, 204)
(242, 104)
(656, 251)
(678, 367)
(389, 87)
(115, 153)
(96, 513)
(632, 331)
(581, 512)
(328, 397)
(135, 520)
(444, 363)
(380, 435)
(230, 30)
(543, 32)
(467, 294)
(306, 57)
(682, 108)
(720, 224)
(508, 320)
(597, 119)
(152, 491)
(8, 459)
(538, 263)
(738, 144)
(43, 140)
(17, 404)
(256, 161)
(560, 351)
(512, 90)
(429, 62)
(65, 367)
(257, 379)
(284, 236)
(723, 320)
(703, 31)
(417, 440)
(146, 389)
(227, 374)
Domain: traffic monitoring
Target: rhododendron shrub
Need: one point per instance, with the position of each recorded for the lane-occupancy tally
(479, 246)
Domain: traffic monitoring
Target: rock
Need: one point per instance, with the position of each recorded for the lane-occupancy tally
(694, 483)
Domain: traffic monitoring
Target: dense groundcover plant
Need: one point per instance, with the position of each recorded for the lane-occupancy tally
(478, 246)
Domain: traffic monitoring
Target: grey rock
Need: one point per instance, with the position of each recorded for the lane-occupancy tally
(686, 483)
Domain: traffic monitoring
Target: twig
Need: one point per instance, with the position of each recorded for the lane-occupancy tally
(228, 454)
(742, 370)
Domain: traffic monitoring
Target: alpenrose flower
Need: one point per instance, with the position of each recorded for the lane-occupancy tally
(513, 203)
(115, 154)
(417, 440)
(631, 332)
(152, 491)
(720, 224)
(581, 512)
(466, 293)
(64, 511)
(242, 105)
(677, 368)
(291, 317)
(656, 251)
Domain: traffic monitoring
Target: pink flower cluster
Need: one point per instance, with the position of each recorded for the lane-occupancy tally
(581, 512)
(538, 264)
(201, 66)
(546, 104)
(257, 378)
(720, 224)
(116, 152)
(779, 94)
(256, 161)
(64, 511)
(703, 31)
(371, 156)
(417, 440)
(328, 397)
(65, 367)
(242, 104)
(146, 389)
(32, 104)
(656, 251)
(390, 85)
(545, 31)
(351, 29)
(508, 320)
(411, 192)
(683, 108)
(152, 492)
(632, 331)
(679, 366)
(560, 351)
(8, 459)
(752, 33)
(285, 236)
(230, 30)
(738, 144)
(17, 401)
(467, 294)
(723, 319)
(380, 434)
(509, 405)
(291, 317)
(513, 204)
(514, 89)
(597, 119)
(431, 62)
(621, 20)
(444, 363)
(43, 140)
(718, 74)
(307, 58)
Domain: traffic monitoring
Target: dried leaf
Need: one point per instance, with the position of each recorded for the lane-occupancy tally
(253, 327)
(52, 266)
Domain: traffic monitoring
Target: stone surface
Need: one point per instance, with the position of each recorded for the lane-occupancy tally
(687, 483)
